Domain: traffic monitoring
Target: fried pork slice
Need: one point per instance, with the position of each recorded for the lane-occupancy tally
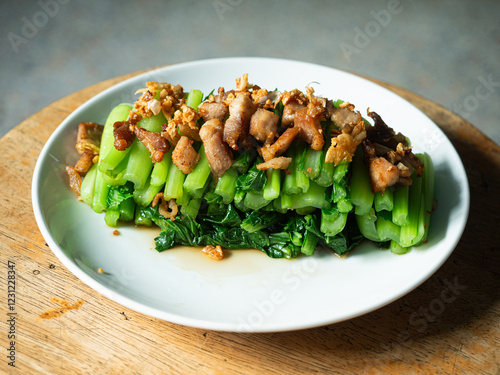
(184, 155)
(85, 162)
(183, 123)
(397, 150)
(264, 125)
(352, 132)
(89, 137)
(382, 172)
(123, 132)
(88, 144)
(219, 155)
(209, 110)
(388, 156)
(280, 162)
(154, 142)
(292, 102)
(75, 181)
(289, 113)
(241, 110)
(329, 108)
(214, 106)
(281, 145)
(345, 117)
(123, 135)
(310, 128)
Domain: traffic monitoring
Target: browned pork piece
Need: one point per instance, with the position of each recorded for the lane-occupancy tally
(349, 136)
(345, 117)
(123, 131)
(263, 125)
(219, 155)
(88, 143)
(75, 181)
(292, 101)
(214, 107)
(154, 142)
(85, 162)
(275, 163)
(184, 155)
(400, 151)
(241, 110)
(289, 113)
(88, 138)
(310, 128)
(388, 156)
(281, 145)
(382, 172)
(210, 110)
(124, 136)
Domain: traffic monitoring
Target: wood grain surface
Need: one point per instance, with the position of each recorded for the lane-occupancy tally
(448, 325)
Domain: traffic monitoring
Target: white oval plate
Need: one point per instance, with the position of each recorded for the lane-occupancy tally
(247, 291)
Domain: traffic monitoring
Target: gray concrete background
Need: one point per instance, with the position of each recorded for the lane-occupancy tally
(447, 51)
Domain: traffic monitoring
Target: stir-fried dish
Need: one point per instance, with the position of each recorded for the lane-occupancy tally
(282, 172)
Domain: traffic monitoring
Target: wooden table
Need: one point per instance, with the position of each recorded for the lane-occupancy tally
(421, 333)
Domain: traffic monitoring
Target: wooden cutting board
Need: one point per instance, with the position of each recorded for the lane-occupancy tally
(448, 325)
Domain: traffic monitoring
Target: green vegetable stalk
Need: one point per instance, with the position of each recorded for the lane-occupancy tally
(101, 188)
